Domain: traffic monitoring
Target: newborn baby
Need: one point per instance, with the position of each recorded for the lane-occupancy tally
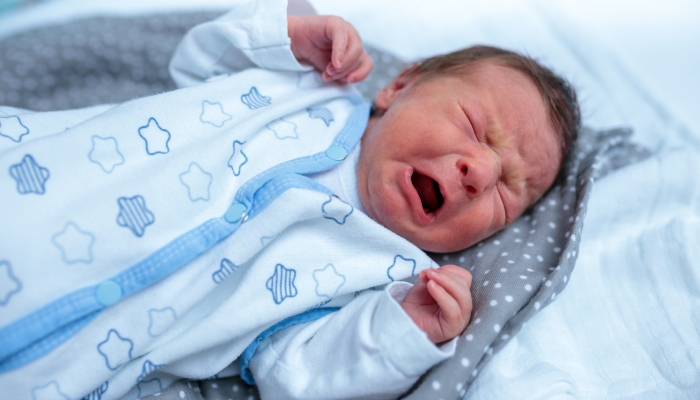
(176, 233)
(458, 148)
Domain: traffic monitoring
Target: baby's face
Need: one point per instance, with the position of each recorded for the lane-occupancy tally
(455, 159)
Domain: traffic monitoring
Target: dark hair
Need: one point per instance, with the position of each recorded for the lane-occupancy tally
(558, 95)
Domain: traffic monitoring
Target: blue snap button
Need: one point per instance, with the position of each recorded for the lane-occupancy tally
(336, 153)
(108, 293)
(236, 212)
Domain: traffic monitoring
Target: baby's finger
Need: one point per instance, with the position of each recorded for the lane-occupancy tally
(342, 75)
(337, 32)
(362, 71)
(449, 307)
(455, 285)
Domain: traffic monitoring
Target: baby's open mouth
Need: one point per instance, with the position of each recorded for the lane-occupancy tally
(429, 192)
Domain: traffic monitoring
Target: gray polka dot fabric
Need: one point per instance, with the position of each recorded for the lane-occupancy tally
(516, 272)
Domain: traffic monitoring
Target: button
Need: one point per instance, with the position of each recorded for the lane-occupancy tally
(236, 212)
(336, 153)
(108, 293)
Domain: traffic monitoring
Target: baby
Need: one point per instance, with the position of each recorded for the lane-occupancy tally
(456, 148)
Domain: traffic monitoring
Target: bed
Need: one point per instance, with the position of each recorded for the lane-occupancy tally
(625, 322)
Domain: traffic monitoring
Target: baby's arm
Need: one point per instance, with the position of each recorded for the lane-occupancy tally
(331, 45)
(440, 303)
(369, 348)
(259, 33)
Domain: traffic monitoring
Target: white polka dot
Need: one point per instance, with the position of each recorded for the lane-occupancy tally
(566, 207)
(554, 295)
(461, 259)
(571, 219)
(541, 208)
(567, 234)
(548, 283)
(573, 237)
(566, 278)
(470, 337)
(532, 231)
(235, 388)
(550, 240)
(504, 269)
(477, 321)
(530, 244)
(509, 298)
(497, 328)
(505, 253)
(487, 272)
(537, 305)
(493, 303)
(523, 277)
(557, 249)
(505, 336)
(518, 241)
(574, 253)
(540, 259)
(182, 394)
(474, 373)
(445, 257)
(459, 387)
(528, 287)
(472, 267)
(214, 385)
(480, 254)
(496, 242)
(511, 262)
(465, 362)
(436, 385)
(489, 351)
(463, 393)
(480, 244)
(552, 225)
(530, 270)
(516, 230)
(526, 256)
(157, 394)
(497, 285)
(552, 202)
(486, 283)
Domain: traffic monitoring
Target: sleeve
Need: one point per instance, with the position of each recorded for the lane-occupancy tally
(370, 347)
(253, 33)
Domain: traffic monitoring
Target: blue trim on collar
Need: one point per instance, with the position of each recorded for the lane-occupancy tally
(38, 333)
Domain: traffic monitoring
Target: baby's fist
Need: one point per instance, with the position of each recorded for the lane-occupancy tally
(440, 303)
(331, 45)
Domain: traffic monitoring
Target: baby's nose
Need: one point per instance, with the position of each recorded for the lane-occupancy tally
(477, 175)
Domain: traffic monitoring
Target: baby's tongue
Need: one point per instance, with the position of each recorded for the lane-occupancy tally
(426, 190)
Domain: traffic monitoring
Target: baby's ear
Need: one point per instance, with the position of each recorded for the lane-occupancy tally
(389, 93)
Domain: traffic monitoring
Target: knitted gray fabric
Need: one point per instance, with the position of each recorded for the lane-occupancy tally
(516, 272)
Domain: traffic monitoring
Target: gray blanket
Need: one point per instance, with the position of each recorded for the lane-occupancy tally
(516, 272)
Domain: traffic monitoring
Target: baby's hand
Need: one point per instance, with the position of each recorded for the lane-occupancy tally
(330, 44)
(440, 303)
